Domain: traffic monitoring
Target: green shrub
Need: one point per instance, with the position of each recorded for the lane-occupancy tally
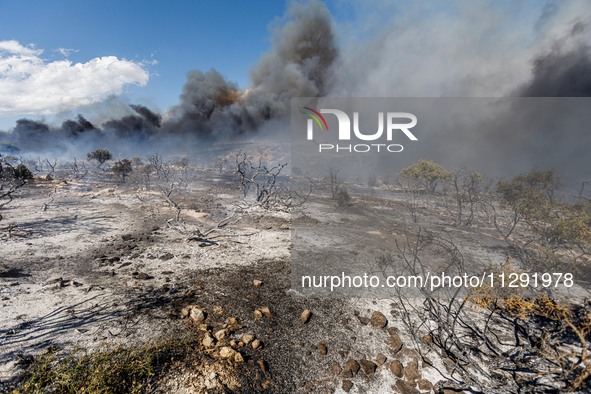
(122, 168)
(100, 155)
(426, 173)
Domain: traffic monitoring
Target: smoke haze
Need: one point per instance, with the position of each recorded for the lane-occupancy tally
(471, 49)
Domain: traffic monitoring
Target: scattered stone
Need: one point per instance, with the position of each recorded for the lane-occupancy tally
(381, 359)
(166, 256)
(144, 276)
(238, 357)
(406, 388)
(411, 371)
(427, 340)
(335, 369)
(425, 385)
(257, 283)
(305, 316)
(266, 384)
(347, 385)
(397, 368)
(263, 365)
(232, 321)
(258, 314)
(220, 335)
(322, 349)
(227, 352)
(368, 366)
(208, 341)
(77, 284)
(218, 310)
(395, 343)
(256, 344)
(247, 338)
(127, 237)
(265, 311)
(378, 320)
(363, 320)
(352, 365)
(197, 315)
(114, 259)
(186, 310)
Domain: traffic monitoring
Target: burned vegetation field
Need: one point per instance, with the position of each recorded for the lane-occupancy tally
(159, 274)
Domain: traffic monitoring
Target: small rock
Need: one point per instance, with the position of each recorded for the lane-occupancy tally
(397, 368)
(247, 338)
(144, 276)
(166, 256)
(363, 320)
(221, 334)
(227, 352)
(322, 349)
(263, 365)
(335, 369)
(257, 283)
(197, 315)
(238, 357)
(218, 310)
(378, 320)
(305, 316)
(208, 341)
(381, 359)
(352, 365)
(347, 385)
(368, 366)
(425, 385)
(256, 344)
(265, 311)
(411, 371)
(406, 388)
(427, 340)
(232, 321)
(258, 314)
(395, 343)
(186, 310)
(266, 384)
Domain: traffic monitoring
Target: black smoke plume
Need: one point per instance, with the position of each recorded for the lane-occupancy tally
(299, 63)
(565, 69)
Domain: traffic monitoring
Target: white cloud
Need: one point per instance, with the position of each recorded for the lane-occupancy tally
(30, 85)
(66, 52)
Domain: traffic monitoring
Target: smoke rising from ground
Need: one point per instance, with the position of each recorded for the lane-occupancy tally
(416, 51)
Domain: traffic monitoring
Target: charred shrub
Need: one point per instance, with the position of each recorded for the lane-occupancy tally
(122, 168)
(343, 198)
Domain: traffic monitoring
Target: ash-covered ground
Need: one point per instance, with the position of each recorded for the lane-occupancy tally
(174, 249)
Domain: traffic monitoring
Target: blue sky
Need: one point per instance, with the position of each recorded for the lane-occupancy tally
(179, 35)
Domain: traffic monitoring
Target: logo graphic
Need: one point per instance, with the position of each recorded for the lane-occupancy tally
(317, 116)
(392, 121)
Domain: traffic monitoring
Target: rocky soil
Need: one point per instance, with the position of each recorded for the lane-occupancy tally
(88, 263)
